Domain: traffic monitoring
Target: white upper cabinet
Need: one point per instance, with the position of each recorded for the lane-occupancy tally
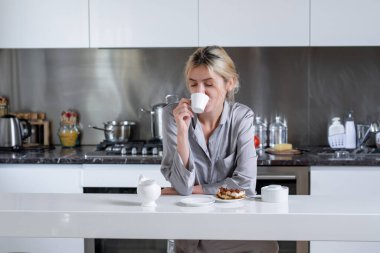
(254, 23)
(345, 23)
(44, 24)
(143, 23)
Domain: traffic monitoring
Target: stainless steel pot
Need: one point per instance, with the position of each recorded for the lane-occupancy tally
(156, 116)
(156, 120)
(117, 131)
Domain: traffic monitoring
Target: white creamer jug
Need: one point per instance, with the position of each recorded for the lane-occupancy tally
(148, 191)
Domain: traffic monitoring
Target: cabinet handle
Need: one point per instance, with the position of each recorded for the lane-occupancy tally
(276, 177)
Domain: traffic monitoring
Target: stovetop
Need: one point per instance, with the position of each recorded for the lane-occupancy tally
(137, 148)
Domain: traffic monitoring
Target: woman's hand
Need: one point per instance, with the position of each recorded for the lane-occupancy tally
(169, 191)
(197, 189)
(182, 115)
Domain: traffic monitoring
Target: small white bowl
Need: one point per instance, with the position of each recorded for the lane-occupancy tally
(274, 193)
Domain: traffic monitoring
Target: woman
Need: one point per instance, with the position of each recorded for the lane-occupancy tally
(202, 152)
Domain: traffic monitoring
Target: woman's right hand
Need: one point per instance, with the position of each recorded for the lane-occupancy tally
(182, 115)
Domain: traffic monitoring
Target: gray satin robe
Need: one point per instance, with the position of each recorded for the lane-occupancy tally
(228, 159)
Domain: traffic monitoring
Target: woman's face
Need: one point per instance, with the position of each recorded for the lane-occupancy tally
(213, 85)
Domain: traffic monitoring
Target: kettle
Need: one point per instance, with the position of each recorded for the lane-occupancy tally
(13, 131)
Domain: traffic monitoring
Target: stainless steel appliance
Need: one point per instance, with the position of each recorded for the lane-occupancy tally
(13, 131)
(135, 149)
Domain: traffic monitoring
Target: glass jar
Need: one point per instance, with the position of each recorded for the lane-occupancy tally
(3, 110)
(68, 135)
(260, 129)
(278, 132)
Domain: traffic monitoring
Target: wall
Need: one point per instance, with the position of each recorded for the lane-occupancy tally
(306, 85)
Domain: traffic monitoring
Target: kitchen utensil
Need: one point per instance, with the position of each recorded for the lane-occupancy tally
(336, 127)
(378, 139)
(274, 193)
(156, 115)
(283, 152)
(13, 131)
(337, 141)
(197, 201)
(117, 131)
(148, 191)
(373, 128)
(198, 102)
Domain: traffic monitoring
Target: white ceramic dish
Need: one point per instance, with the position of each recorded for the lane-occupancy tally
(227, 200)
(197, 201)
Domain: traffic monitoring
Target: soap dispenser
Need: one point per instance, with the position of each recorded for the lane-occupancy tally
(350, 132)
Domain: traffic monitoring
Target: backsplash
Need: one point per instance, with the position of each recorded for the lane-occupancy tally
(306, 85)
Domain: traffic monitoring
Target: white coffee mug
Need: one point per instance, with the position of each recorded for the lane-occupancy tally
(198, 102)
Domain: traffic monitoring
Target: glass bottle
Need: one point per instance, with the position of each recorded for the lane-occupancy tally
(260, 129)
(350, 132)
(278, 132)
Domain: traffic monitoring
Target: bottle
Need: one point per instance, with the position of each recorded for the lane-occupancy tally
(278, 132)
(350, 132)
(336, 127)
(260, 129)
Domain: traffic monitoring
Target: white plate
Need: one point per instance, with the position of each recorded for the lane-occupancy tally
(227, 200)
(197, 201)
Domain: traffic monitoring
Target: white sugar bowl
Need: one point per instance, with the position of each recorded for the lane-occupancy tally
(148, 191)
(274, 193)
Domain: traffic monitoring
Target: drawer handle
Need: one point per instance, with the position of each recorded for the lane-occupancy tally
(276, 177)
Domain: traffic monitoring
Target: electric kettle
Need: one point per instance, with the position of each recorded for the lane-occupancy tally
(13, 131)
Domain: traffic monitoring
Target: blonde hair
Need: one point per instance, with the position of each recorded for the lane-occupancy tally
(218, 61)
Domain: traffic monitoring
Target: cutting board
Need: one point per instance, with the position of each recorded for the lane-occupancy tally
(283, 152)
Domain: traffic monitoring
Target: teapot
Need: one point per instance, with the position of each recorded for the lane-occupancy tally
(148, 191)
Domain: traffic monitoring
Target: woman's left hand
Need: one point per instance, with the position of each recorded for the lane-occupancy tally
(197, 189)
(169, 191)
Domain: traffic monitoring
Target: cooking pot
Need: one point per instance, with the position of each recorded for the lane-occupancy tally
(13, 131)
(117, 131)
(156, 115)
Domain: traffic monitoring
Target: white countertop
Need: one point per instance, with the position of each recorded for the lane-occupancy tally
(121, 216)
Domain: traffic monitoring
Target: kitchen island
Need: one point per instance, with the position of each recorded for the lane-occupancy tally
(68, 170)
(121, 216)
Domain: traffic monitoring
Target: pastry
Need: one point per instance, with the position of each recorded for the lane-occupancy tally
(225, 193)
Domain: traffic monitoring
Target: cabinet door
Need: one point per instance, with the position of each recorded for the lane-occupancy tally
(351, 181)
(126, 175)
(143, 23)
(345, 23)
(37, 178)
(44, 23)
(254, 22)
(40, 178)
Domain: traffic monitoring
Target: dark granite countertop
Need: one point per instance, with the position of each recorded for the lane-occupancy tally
(309, 157)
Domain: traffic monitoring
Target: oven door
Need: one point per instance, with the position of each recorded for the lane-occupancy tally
(295, 178)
